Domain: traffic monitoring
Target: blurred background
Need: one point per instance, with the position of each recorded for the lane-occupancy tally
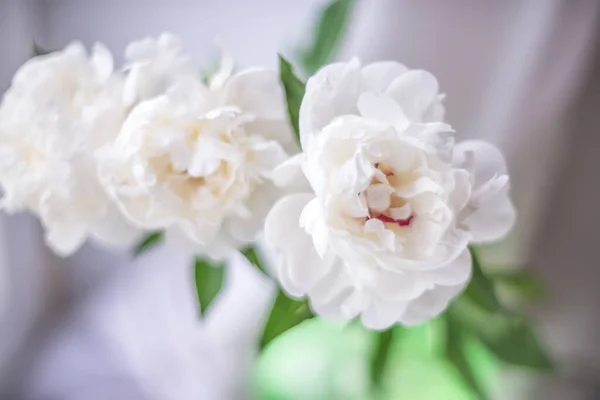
(524, 74)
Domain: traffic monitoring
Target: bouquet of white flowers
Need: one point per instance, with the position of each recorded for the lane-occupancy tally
(366, 201)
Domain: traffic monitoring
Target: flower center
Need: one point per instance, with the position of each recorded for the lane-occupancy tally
(389, 220)
(382, 201)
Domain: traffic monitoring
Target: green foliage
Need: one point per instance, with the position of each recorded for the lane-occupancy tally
(520, 282)
(253, 257)
(456, 355)
(481, 289)
(294, 92)
(379, 361)
(39, 50)
(285, 314)
(209, 277)
(508, 336)
(150, 241)
(329, 32)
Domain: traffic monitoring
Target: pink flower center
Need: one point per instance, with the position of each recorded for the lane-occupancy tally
(386, 219)
(389, 220)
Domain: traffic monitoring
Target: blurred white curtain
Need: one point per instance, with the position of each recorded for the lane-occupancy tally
(510, 68)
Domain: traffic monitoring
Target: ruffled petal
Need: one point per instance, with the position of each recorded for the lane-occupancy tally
(300, 267)
(459, 197)
(258, 92)
(400, 286)
(489, 214)
(482, 158)
(331, 92)
(415, 92)
(259, 203)
(114, 230)
(334, 296)
(381, 314)
(429, 305)
(492, 219)
(456, 272)
(381, 107)
(378, 76)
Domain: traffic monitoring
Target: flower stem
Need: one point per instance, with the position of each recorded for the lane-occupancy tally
(383, 341)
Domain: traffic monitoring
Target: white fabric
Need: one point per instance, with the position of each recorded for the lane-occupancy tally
(141, 337)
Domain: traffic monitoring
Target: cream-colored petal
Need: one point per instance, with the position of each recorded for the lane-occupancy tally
(414, 91)
(331, 92)
(257, 91)
(429, 305)
(378, 75)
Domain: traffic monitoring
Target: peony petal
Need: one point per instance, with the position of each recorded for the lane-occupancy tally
(419, 186)
(334, 296)
(331, 92)
(226, 66)
(350, 179)
(400, 286)
(114, 230)
(381, 107)
(456, 272)
(282, 272)
(378, 76)
(64, 238)
(415, 92)
(381, 314)
(280, 131)
(313, 222)
(378, 197)
(102, 61)
(289, 171)
(267, 155)
(461, 192)
(284, 218)
(259, 203)
(492, 219)
(403, 212)
(385, 236)
(257, 91)
(306, 267)
(302, 267)
(432, 303)
(483, 158)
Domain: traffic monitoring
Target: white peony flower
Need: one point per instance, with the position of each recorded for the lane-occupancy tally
(60, 108)
(383, 235)
(153, 65)
(197, 161)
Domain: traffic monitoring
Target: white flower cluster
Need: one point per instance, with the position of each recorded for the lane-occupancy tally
(383, 232)
(380, 231)
(109, 153)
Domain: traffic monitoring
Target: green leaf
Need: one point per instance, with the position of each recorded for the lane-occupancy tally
(521, 282)
(252, 255)
(148, 242)
(455, 352)
(481, 289)
(39, 50)
(508, 337)
(517, 344)
(329, 31)
(383, 341)
(294, 92)
(285, 314)
(209, 278)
